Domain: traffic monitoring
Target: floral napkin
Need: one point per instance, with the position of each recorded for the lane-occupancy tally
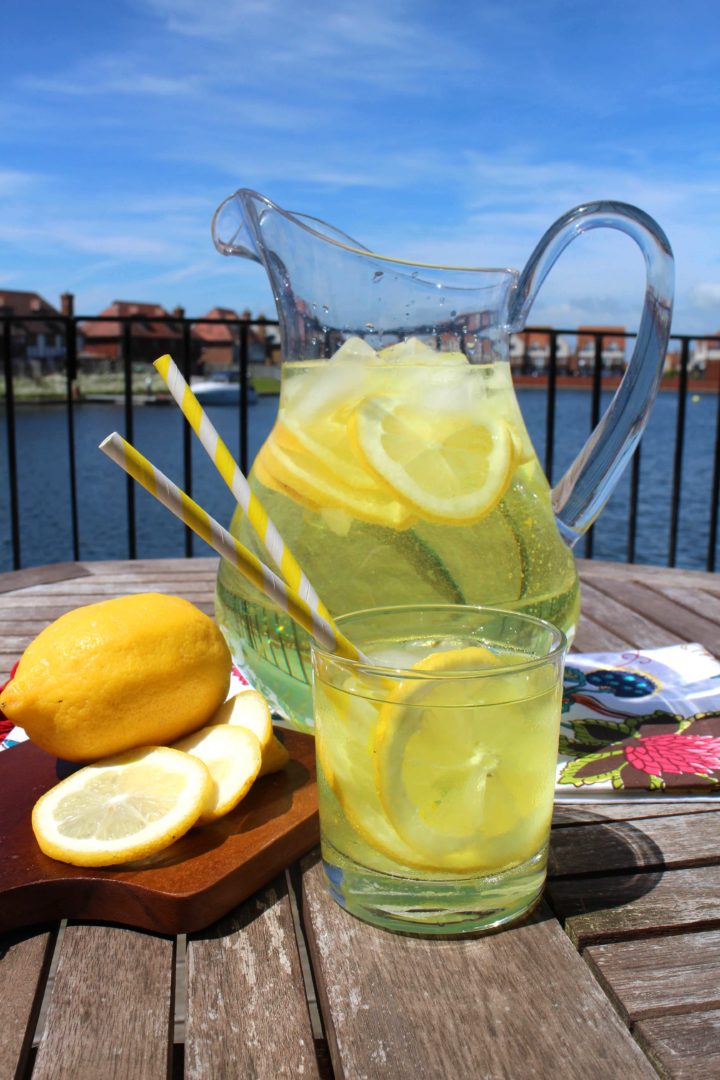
(640, 723)
(634, 724)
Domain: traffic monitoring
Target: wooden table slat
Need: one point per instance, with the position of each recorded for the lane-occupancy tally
(655, 976)
(683, 1047)
(598, 909)
(614, 613)
(597, 570)
(677, 623)
(55, 605)
(397, 1006)
(675, 841)
(697, 600)
(112, 1004)
(247, 1013)
(24, 964)
(14, 580)
(595, 812)
(591, 636)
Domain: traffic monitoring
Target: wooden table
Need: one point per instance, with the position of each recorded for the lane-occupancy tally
(616, 975)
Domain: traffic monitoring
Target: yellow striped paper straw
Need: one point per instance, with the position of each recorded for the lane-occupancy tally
(208, 529)
(235, 479)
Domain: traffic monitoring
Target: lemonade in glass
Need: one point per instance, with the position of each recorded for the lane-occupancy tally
(436, 765)
(399, 475)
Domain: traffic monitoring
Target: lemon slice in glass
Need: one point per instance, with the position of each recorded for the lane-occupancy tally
(442, 768)
(453, 467)
(343, 747)
(122, 808)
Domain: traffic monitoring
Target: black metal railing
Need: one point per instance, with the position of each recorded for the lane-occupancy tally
(555, 369)
(184, 349)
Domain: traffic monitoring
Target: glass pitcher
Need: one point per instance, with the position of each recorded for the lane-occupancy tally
(399, 469)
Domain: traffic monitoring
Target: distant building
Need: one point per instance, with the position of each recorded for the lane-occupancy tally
(37, 348)
(218, 345)
(530, 352)
(704, 360)
(154, 331)
(612, 349)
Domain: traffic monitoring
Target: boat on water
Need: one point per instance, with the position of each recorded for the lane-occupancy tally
(221, 388)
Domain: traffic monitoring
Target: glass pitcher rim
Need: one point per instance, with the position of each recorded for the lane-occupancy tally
(354, 247)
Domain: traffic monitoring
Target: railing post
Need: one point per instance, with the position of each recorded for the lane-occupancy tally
(594, 417)
(127, 382)
(715, 490)
(678, 456)
(185, 367)
(244, 396)
(634, 498)
(11, 443)
(550, 408)
(70, 390)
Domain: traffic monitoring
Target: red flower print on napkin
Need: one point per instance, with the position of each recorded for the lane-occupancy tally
(656, 751)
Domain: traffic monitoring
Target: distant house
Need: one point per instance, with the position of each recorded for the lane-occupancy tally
(154, 331)
(37, 346)
(705, 359)
(612, 349)
(219, 343)
(530, 352)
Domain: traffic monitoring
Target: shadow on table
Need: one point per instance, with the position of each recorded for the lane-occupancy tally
(601, 865)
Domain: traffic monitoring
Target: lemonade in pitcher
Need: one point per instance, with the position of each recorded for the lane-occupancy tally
(400, 470)
(403, 475)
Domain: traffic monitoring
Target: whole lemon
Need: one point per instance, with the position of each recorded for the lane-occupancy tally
(133, 671)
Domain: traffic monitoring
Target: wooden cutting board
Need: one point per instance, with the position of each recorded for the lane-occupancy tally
(184, 888)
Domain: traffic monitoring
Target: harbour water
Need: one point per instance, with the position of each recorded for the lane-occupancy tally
(44, 478)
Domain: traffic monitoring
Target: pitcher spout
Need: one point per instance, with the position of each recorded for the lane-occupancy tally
(234, 226)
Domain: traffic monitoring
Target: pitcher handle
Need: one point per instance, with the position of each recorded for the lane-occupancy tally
(582, 492)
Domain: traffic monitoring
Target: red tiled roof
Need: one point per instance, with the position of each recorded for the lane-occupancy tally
(536, 337)
(14, 302)
(215, 333)
(142, 327)
(611, 335)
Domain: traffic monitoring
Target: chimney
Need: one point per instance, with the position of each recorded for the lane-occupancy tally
(67, 304)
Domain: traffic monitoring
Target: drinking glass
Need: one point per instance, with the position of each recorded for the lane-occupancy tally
(436, 765)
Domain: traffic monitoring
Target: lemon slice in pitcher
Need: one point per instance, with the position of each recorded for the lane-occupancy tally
(301, 472)
(123, 808)
(452, 467)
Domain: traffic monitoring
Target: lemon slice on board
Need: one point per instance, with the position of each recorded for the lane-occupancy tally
(275, 757)
(122, 808)
(233, 758)
(451, 467)
(443, 769)
(247, 709)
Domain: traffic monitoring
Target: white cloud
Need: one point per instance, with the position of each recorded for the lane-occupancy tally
(705, 296)
(16, 181)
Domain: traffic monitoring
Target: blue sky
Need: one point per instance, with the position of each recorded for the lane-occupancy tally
(449, 133)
